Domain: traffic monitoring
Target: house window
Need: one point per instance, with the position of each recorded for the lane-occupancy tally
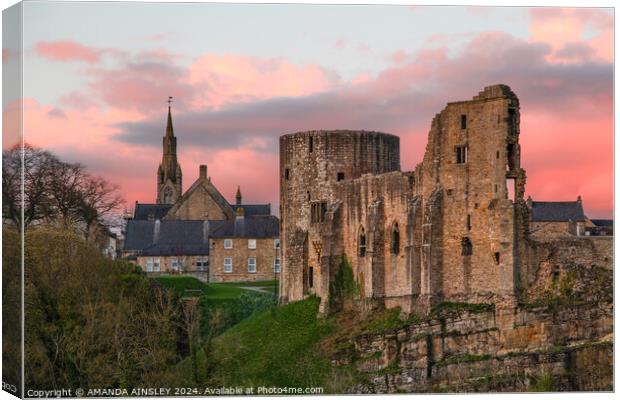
(174, 263)
(276, 243)
(252, 265)
(496, 257)
(461, 154)
(156, 264)
(228, 265)
(228, 243)
(340, 176)
(310, 277)
(361, 243)
(466, 247)
(202, 263)
(286, 174)
(252, 244)
(149, 264)
(318, 209)
(395, 239)
(276, 265)
(463, 121)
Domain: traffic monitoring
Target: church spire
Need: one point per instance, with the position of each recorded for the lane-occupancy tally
(169, 130)
(169, 175)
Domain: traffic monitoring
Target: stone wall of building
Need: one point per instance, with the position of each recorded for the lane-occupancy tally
(265, 254)
(184, 262)
(311, 165)
(545, 229)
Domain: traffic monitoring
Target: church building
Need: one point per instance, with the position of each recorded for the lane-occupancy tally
(199, 232)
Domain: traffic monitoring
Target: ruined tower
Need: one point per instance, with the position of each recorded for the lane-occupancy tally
(169, 176)
(453, 229)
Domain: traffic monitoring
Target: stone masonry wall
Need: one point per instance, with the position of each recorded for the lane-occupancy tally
(264, 253)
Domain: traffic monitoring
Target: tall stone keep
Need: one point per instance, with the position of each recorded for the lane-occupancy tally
(169, 176)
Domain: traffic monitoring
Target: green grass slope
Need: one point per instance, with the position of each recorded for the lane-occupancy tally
(281, 348)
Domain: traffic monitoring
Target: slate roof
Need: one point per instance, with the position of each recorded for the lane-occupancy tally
(253, 209)
(603, 222)
(158, 211)
(257, 226)
(174, 237)
(557, 211)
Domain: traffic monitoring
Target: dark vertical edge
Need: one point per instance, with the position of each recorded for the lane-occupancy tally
(12, 233)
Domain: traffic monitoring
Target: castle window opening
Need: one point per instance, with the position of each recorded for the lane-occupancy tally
(511, 111)
(340, 176)
(311, 277)
(318, 209)
(449, 192)
(311, 144)
(286, 174)
(461, 154)
(463, 121)
(308, 192)
(395, 239)
(497, 154)
(496, 257)
(466, 247)
(361, 243)
(510, 189)
(555, 275)
(510, 150)
(469, 222)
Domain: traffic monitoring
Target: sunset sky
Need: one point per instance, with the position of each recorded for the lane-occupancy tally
(97, 77)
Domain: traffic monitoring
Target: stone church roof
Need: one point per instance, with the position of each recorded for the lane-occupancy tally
(557, 211)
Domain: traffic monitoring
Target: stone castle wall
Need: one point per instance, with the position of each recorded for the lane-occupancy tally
(460, 215)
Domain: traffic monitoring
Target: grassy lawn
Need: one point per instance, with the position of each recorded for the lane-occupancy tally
(215, 291)
(254, 283)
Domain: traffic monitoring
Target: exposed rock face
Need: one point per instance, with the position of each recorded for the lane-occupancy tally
(502, 350)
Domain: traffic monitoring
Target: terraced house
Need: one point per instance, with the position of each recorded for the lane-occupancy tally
(199, 232)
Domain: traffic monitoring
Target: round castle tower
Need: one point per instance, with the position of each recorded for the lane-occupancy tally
(311, 163)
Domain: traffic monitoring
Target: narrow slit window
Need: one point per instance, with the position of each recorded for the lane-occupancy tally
(340, 176)
(469, 222)
(463, 121)
(496, 257)
(311, 144)
(361, 243)
(286, 174)
(466, 247)
(461, 154)
(311, 277)
(395, 239)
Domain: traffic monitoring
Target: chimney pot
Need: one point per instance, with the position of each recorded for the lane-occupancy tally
(203, 172)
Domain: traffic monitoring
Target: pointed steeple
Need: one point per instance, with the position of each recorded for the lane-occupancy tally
(169, 175)
(238, 195)
(169, 130)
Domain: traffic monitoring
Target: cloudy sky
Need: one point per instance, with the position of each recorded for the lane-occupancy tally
(97, 77)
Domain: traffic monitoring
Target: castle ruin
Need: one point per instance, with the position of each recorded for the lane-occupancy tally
(453, 229)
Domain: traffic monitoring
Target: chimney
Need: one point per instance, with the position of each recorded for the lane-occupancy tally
(205, 232)
(203, 172)
(156, 231)
(579, 199)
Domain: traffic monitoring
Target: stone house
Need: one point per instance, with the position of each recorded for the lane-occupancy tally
(246, 249)
(172, 236)
(557, 218)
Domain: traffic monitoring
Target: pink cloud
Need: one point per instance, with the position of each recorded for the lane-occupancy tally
(66, 51)
(561, 27)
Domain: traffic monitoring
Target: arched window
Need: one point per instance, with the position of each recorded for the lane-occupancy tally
(361, 243)
(395, 239)
(466, 247)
